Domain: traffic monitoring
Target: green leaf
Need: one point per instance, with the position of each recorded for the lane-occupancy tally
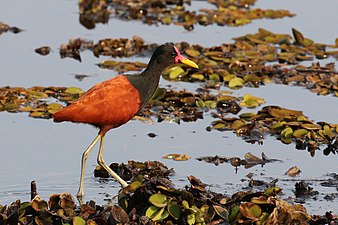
(286, 140)
(152, 211)
(161, 215)
(191, 219)
(177, 157)
(174, 210)
(192, 52)
(251, 101)
(197, 76)
(74, 90)
(131, 188)
(53, 107)
(234, 213)
(200, 104)
(272, 191)
(159, 94)
(287, 132)
(236, 82)
(222, 212)
(159, 200)
(175, 72)
(214, 77)
(185, 204)
(250, 210)
(328, 131)
(300, 133)
(166, 19)
(228, 77)
(210, 104)
(78, 221)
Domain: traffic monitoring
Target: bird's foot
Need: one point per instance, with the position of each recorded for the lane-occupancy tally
(80, 197)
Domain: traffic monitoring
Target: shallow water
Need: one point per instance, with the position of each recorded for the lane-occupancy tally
(49, 153)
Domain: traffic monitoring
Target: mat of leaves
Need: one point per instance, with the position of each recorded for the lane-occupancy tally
(151, 198)
(252, 60)
(175, 106)
(222, 13)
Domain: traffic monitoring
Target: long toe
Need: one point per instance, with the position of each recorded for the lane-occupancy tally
(80, 196)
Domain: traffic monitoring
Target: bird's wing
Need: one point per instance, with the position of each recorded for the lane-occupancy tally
(112, 102)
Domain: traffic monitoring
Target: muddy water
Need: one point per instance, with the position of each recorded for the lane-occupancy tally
(50, 153)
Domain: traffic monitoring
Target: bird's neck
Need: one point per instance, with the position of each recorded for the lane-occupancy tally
(146, 82)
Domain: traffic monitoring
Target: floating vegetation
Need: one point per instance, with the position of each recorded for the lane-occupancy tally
(133, 169)
(288, 125)
(6, 28)
(231, 13)
(247, 162)
(252, 60)
(176, 106)
(303, 190)
(93, 12)
(44, 50)
(36, 100)
(293, 171)
(153, 199)
(121, 47)
(73, 48)
(177, 157)
(122, 66)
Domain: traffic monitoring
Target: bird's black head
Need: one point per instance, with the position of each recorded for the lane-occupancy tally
(166, 55)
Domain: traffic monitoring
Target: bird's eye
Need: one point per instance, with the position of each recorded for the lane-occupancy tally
(173, 54)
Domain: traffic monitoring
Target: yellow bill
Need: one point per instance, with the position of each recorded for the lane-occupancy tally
(188, 62)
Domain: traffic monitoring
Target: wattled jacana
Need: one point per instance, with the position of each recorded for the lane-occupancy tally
(114, 102)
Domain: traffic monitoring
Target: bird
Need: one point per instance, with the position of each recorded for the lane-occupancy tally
(114, 102)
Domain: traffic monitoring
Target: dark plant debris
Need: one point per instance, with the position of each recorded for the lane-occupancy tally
(93, 12)
(80, 77)
(166, 12)
(151, 198)
(152, 135)
(303, 190)
(73, 48)
(133, 169)
(6, 28)
(44, 50)
(122, 67)
(247, 162)
(121, 47)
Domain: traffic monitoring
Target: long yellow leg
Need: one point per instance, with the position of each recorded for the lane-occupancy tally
(107, 168)
(85, 155)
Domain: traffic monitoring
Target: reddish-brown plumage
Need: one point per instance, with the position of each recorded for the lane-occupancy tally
(107, 105)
